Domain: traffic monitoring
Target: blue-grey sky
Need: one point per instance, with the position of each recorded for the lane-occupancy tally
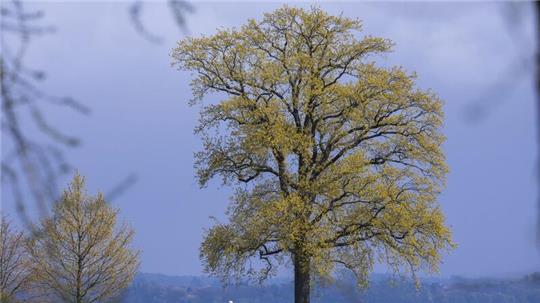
(141, 121)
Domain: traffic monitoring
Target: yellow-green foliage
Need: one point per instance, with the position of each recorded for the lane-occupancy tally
(14, 266)
(79, 254)
(333, 157)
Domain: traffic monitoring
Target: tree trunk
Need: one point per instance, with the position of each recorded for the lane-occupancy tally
(78, 294)
(301, 277)
(79, 267)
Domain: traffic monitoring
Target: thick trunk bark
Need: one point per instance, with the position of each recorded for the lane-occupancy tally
(301, 278)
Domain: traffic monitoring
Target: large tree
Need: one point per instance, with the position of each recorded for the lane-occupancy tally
(79, 254)
(336, 161)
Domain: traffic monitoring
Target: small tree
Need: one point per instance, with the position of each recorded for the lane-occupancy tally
(339, 161)
(79, 255)
(14, 266)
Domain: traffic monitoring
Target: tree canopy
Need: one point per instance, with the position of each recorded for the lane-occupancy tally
(336, 160)
(80, 254)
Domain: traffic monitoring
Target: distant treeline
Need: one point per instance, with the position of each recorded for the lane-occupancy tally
(150, 288)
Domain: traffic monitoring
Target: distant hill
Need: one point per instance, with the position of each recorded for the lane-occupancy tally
(177, 281)
(158, 288)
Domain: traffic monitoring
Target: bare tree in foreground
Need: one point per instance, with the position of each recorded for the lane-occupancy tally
(79, 255)
(337, 161)
(31, 161)
(33, 147)
(14, 266)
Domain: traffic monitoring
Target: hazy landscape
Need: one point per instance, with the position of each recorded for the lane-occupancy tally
(157, 288)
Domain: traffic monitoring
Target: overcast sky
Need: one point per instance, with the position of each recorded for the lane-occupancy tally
(471, 54)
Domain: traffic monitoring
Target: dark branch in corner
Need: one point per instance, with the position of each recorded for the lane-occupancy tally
(178, 8)
(32, 163)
